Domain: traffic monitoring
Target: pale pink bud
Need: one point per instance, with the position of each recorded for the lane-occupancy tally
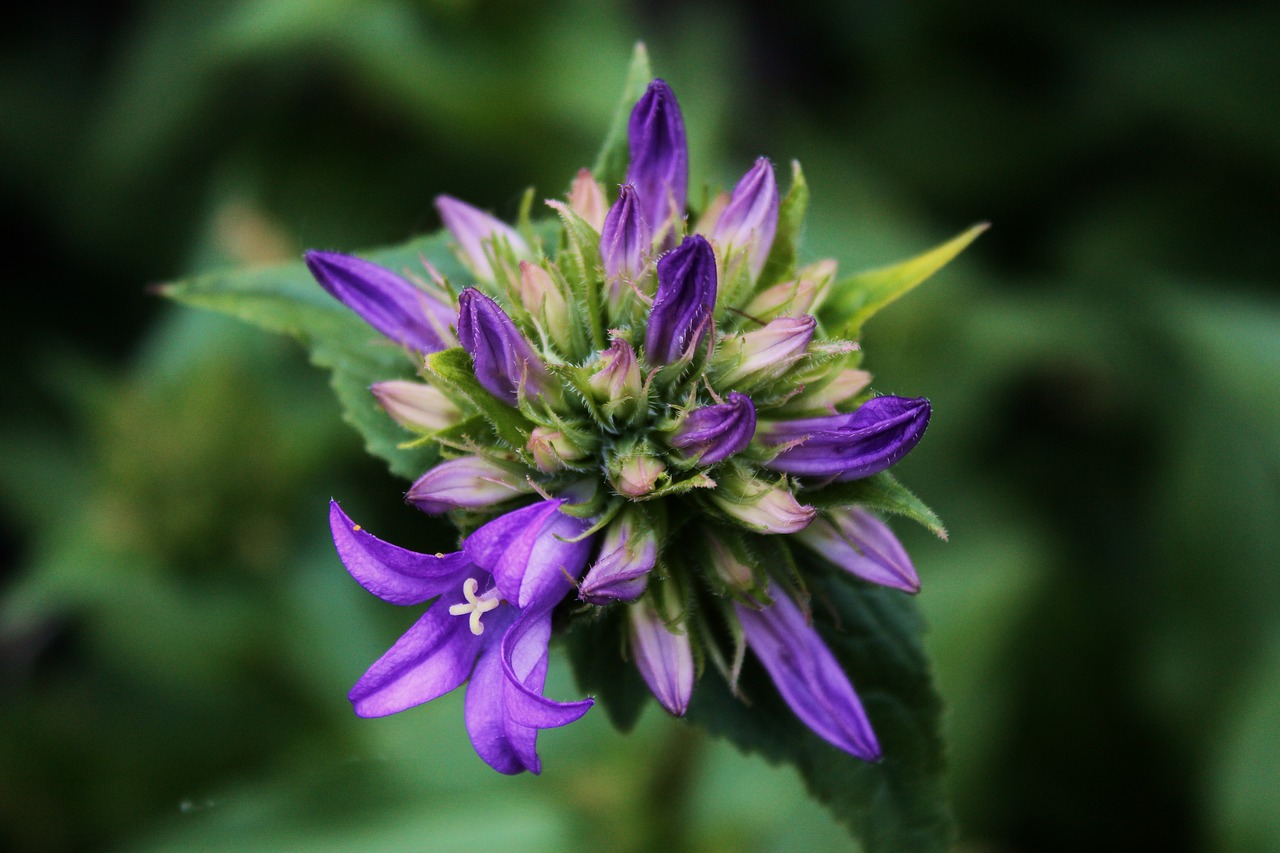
(551, 449)
(628, 552)
(765, 353)
(416, 405)
(469, 482)
(586, 198)
(478, 234)
(636, 476)
(546, 303)
(761, 506)
(617, 381)
(847, 384)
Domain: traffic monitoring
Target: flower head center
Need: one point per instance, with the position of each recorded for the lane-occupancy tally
(475, 605)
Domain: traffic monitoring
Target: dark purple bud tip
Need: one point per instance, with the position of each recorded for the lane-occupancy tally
(504, 360)
(685, 300)
(851, 446)
(714, 433)
(384, 300)
(659, 155)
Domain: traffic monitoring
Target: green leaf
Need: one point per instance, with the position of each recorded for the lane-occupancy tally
(781, 262)
(615, 155)
(880, 492)
(855, 299)
(897, 805)
(452, 370)
(286, 299)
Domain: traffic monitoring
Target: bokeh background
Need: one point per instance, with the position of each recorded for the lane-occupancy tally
(177, 637)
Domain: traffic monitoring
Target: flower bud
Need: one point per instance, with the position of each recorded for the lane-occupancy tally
(663, 656)
(850, 446)
(761, 506)
(729, 569)
(847, 384)
(863, 545)
(712, 434)
(636, 475)
(477, 231)
(627, 554)
(686, 298)
(551, 449)
(505, 363)
(384, 300)
(416, 405)
(469, 482)
(586, 198)
(659, 167)
(750, 220)
(756, 357)
(788, 299)
(624, 242)
(617, 382)
(546, 304)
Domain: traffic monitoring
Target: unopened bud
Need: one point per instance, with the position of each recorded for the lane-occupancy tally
(469, 482)
(546, 303)
(617, 383)
(628, 553)
(637, 475)
(479, 235)
(761, 506)
(551, 449)
(416, 405)
(586, 198)
(755, 357)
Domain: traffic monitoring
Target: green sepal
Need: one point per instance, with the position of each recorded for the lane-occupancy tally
(452, 371)
(579, 257)
(615, 155)
(781, 263)
(854, 300)
(880, 492)
(286, 299)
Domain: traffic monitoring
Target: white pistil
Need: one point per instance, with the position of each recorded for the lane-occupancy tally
(475, 605)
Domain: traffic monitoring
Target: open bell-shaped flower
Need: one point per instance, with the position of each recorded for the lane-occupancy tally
(683, 305)
(807, 675)
(479, 235)
(395, 307)
(659, 168)
(863, 545)
(850, 446)
(750, 220)
(505, 362)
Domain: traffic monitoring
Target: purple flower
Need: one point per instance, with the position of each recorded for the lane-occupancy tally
(475, 230)
(807, 675)
(384, 300)
(850, 446)
(751, 218)
(686, 297)
(477, 629)
(625, 239)
(627, 554)
(863, 545)
(505, 363)
(714, 433)
(664, 657)
(659, 167)
(468, 482)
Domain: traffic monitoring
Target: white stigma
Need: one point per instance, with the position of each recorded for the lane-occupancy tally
(475, 605)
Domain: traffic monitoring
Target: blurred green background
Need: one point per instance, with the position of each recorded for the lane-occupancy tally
(177, 637)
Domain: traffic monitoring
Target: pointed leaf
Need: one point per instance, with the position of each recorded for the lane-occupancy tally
(453, 371)
(880, 492)
(855, 299)
(287, 299)
(611, 164)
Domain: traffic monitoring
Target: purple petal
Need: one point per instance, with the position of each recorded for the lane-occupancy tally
(392, 573)
(851, 446)
(626, 236)
(627, 555)
(524, 661)
(473, 228)
(527, 553)
(432, 658)
(384, 300)
(751, 218)
(682, 307)
(492, 735)
(807, 675)
(714, 433)
(663, 657)
(864, 546)
(659, 167)
(504, 360)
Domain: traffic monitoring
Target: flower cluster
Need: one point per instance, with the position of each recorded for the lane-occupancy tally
(627, 422)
